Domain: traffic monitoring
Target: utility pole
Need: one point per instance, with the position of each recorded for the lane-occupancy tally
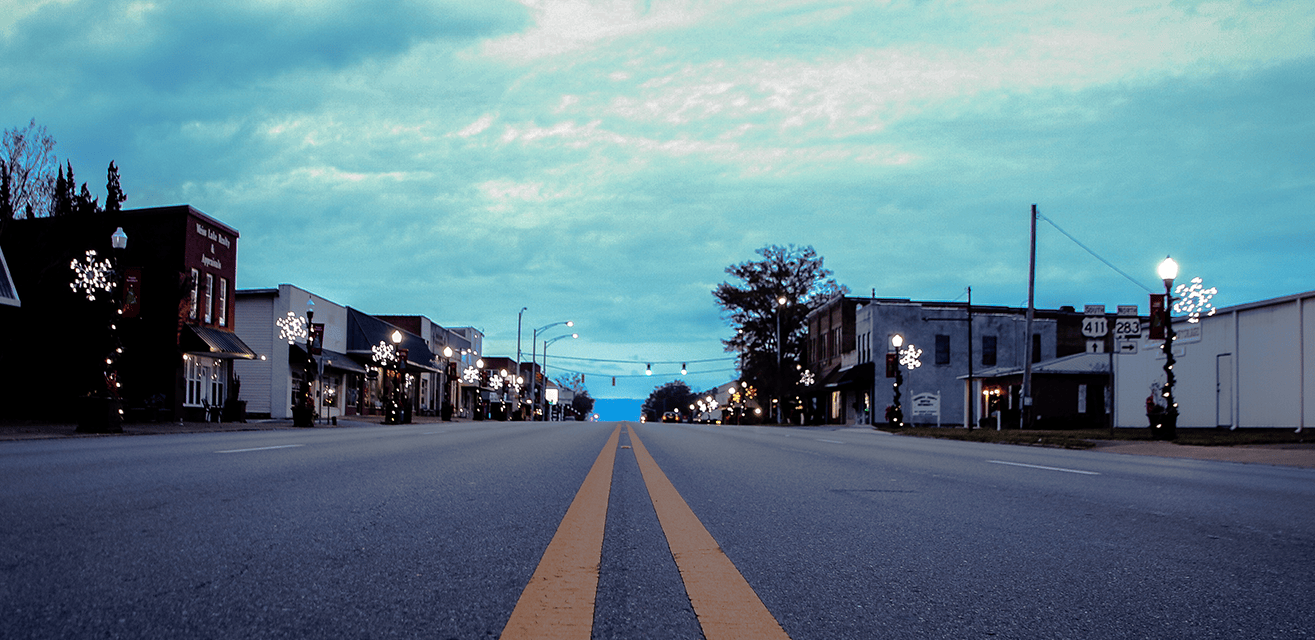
(1025, 411)
(972, 395)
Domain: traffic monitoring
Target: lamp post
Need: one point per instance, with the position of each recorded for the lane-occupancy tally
(103, 411)
(534, 359)
(546, 344)
(908, 357)
(780, 386)
(896, 415)
(293, 328)
(1167, 428)
(446, 409)
(519, 317)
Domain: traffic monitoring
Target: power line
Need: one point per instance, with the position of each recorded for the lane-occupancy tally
(723, 359)
(1093, 253)
(637, 375)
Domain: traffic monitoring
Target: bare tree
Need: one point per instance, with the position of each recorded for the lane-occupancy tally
(29, 163)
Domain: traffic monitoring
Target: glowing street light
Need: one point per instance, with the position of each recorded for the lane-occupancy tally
(908, 357)
(92, 277)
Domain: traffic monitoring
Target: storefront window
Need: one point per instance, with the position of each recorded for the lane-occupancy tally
(204, 380)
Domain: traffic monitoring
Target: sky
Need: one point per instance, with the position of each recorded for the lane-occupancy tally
(605, 161)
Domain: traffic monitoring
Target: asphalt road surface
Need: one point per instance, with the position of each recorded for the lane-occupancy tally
(607, 530)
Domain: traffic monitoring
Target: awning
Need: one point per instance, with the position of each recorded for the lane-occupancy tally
(213, 343)
(859, 375)
(411, 366)
(831, 378)
(341, 362)
(332, 359)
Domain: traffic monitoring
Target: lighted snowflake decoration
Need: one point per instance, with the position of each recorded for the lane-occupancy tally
(908, 356)
(384, 353)
(1194, 299)
(92, 276)
(292, 328)
(807, 379)
(470, 375)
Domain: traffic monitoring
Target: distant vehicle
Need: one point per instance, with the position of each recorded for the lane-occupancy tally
(670, 416)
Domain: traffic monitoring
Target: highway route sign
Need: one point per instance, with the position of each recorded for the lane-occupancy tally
(1095, 326)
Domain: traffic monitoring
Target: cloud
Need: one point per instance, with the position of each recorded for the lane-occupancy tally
(564, 26)
(605, 161)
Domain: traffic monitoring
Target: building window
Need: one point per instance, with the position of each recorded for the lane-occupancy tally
(209, 297)
(223, 302)
(196, 282)
(1036, 347)
(988, 350)
(942, 349)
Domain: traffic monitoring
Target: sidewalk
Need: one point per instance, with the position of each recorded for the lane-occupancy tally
(38, 431)
(1291, 455)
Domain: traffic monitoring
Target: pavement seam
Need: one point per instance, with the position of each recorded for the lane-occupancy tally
(726, 606)
(558, 602)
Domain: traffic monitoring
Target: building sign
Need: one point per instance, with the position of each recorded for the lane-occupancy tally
(1186, 334)
(132, 292)
(317, 338)
(551, 395)
(927, 403)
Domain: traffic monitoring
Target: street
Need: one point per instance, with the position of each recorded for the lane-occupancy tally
(435, 531)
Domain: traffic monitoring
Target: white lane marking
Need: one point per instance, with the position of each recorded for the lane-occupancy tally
(1037, 466)
(430, 433)
(282, 446)
(831, 441)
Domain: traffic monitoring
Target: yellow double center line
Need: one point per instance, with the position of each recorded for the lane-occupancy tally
(558, 602)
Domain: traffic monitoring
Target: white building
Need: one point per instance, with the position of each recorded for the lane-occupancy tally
(1249, 365)
(270, 383)
(850, 337)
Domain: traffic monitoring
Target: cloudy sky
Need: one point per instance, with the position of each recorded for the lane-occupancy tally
(605, 161)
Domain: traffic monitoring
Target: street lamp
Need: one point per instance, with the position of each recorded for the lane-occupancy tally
(907, 357)
(896, 413)
(546, 344)
(103, 412)
(1167, 428)
(534, 356)
(780, 304)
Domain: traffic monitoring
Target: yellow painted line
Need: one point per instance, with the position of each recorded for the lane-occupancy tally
(727, 607)
(558, 602)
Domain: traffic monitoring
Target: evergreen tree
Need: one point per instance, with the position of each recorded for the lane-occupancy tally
(114, 196)
(60, 205)
(71, 185)
(87, 204)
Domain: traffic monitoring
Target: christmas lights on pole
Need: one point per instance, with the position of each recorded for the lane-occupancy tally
(908, 357)
(1167, 427)
(103, 412)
